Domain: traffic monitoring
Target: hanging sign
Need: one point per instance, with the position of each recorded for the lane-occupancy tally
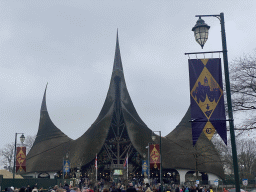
(216, 182)
(245, 182)
(66, 166)
(206, 98)
(145, 168)
(21, 159)
(154, 151)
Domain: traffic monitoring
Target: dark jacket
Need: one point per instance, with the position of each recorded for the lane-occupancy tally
(131, 189)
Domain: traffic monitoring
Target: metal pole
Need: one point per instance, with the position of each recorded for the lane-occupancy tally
(96, 169)
(230, 110)
(14, 157)
(127, 166)
(63, 168)
(161, 179)
(148, 165)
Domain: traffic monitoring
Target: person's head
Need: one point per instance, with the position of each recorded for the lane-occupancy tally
(22, 189)
(105, 190)
(77, 189)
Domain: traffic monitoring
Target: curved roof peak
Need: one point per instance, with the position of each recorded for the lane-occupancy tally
(43, 106)
(117, 60)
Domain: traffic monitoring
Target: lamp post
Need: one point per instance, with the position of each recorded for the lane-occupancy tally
(154, 138)
(201, 36)
(22, 139)
(148, 162)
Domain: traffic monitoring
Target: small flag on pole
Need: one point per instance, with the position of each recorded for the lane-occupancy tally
(126, 161)
(96, 165)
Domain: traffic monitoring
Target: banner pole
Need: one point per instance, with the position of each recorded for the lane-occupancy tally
(14, 156)
(127, 165)
(63, 168)
(148, 163)
(96, 165)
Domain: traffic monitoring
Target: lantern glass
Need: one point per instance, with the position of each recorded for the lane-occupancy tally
(201, 30)
(22, 138)
(153, 137)
(201, 35)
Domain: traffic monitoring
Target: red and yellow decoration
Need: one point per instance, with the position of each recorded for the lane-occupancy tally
(21, 159)
(154, 151)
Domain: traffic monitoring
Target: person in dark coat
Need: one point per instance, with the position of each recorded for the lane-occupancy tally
(29, 189)
(22, 189)
(131, 188)
(66, 187)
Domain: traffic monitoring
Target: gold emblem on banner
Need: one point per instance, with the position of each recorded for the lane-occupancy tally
(66, 166)
(206, 92)
(21, 157)
(209, 130)
(155, 155)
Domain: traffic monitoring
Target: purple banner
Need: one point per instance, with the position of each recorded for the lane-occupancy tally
(206, 97)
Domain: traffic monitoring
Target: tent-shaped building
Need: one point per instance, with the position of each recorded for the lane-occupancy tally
(119, 132)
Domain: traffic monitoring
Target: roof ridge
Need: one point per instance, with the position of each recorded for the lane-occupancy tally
(117, 60)
(43, 106)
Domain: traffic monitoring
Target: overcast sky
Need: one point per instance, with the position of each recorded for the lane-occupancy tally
(71, 44)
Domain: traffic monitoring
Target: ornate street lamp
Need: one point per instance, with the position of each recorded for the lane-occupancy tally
(201, 35)
(201, 32)
(22, 139)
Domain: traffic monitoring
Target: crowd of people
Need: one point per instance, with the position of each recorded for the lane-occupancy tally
(113, 187)
(25, 189)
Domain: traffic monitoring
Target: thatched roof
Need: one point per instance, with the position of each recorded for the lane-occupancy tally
(208, 159)
(8, 175)
(51, 144)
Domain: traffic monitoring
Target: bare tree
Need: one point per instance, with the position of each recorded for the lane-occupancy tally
(29, 141)
(225, 152)
(7, 154)
(246, 156)
(243, 88)
(246, 153)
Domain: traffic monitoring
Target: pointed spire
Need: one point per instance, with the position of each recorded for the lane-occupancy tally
(43, 106)
(117, 61)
